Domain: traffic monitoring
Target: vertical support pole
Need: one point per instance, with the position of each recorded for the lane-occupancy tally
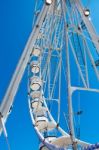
(49, 79)
(86, 66)
(59, 99)
(70, 109)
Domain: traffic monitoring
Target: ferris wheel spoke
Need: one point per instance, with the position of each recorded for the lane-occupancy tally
(92, 61)
(55, 78)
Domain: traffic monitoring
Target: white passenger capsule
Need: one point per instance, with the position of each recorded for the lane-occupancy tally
(36, 94)
(36, 103)
(40, 111)
(36, 52)
(41, 123)
(62, 141)
(35, 83)
(35, 68)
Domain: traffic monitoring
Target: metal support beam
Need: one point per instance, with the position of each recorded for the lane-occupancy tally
(3, 127)
(74, 88)
(70, 109)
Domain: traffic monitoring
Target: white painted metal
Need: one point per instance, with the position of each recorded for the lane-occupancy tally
(4, 128)
(72, 133)
(40, 114)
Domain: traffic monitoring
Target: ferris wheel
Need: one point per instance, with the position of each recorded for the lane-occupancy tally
(62, 54)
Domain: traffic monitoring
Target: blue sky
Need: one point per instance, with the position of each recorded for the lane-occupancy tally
(15, 26)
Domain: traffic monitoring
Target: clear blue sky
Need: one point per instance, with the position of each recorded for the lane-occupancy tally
(15, 26)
